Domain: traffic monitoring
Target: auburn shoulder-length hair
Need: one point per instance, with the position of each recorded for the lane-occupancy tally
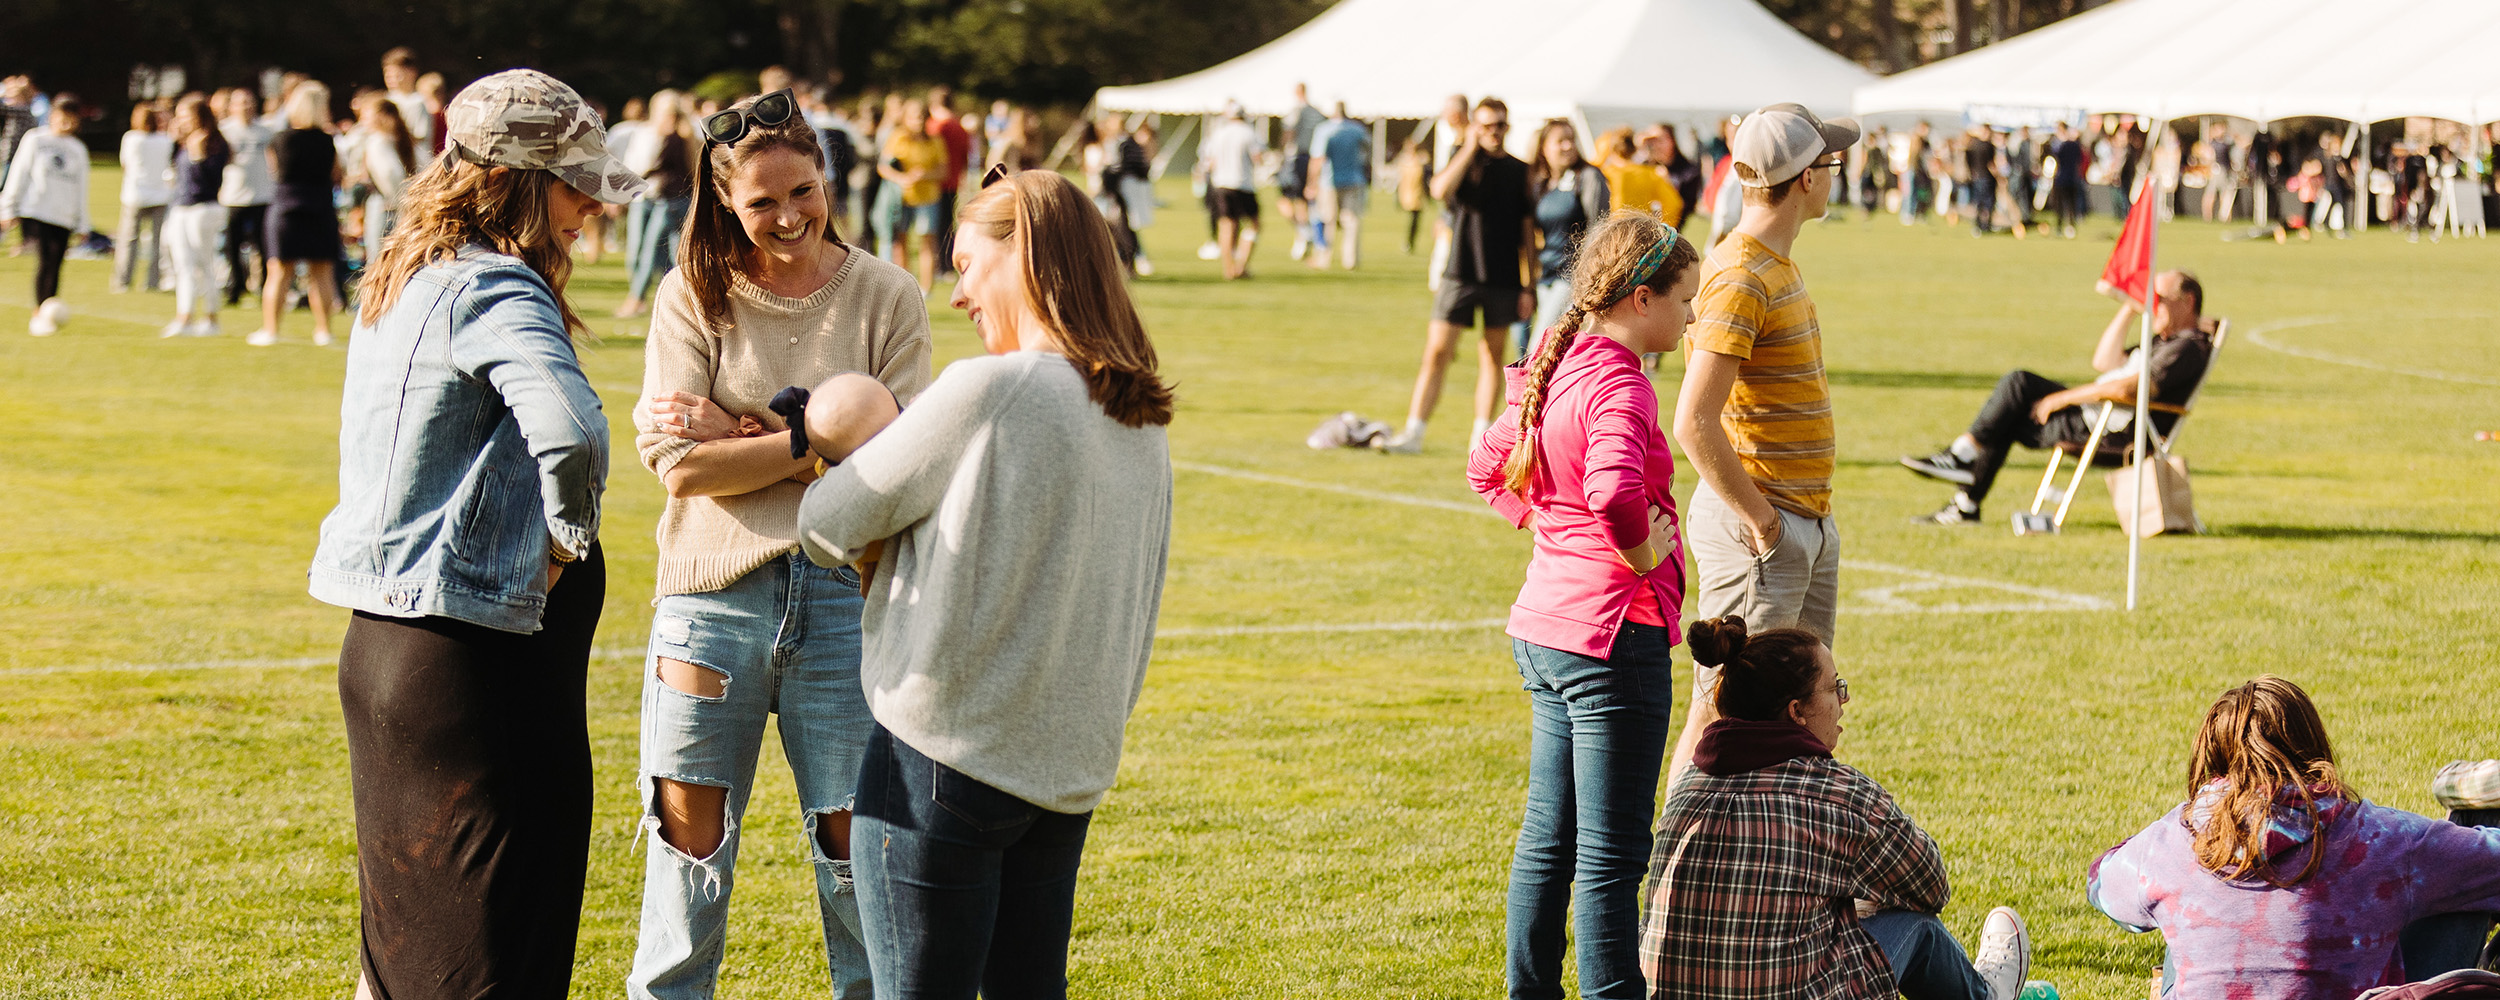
(2262, 748)
(453, 204)
(714, 246)
(1072, 280)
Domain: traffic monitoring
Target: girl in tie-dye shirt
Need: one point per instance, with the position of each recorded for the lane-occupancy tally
(2275, 880)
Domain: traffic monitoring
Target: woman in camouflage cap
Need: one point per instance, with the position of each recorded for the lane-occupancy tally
(472, 455)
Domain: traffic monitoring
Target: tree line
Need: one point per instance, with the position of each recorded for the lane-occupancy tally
(1042, 52)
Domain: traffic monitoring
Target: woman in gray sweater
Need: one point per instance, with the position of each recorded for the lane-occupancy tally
(1018, 517)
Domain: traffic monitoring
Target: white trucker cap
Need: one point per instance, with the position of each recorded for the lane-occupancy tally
(1779, 142)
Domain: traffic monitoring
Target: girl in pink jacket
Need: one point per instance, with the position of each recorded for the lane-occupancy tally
(1580, 458)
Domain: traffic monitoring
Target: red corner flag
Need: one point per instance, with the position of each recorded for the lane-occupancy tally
(2130, 269)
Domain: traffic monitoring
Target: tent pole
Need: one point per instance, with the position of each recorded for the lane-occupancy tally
(2361, 180)
(2134, 521)
(1380, 149)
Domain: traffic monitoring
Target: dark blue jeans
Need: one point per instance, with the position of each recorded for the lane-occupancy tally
(1927, 964)
(962, 887)
(1599, 738)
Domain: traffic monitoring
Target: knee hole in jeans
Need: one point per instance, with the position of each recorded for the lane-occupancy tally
(691, 678)
(830, 829)
(694, 818)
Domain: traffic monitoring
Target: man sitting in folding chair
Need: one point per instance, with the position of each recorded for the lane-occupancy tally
(2037, 412)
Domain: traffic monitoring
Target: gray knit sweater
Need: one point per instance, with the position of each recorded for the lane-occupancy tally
(1012, 615)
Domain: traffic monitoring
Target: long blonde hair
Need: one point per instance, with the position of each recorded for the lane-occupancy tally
(454, 204)
(2263, 741)
(1601, 275)
(308, 105)
(1072, 282)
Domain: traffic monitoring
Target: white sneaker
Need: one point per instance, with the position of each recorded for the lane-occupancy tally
(1403, 443)
(1209, 250)
(2004, 959)
(40, 325)
(321, 339)
(202, 328)
(55, 310)
(262, 338)
(1145, 268)
(1301, 248)
(176, 328)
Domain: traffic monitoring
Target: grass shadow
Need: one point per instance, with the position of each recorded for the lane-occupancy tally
(2330, 533)
(1912, 380)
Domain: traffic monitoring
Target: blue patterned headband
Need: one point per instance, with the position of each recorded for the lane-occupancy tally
(1644, 269)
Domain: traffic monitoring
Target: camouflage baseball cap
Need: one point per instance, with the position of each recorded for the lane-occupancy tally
(527, 120)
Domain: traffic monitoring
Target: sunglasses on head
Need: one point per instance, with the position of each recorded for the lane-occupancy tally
(727, 127)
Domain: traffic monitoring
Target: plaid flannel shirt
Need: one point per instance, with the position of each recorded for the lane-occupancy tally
(2468, 784)
(1752, 880)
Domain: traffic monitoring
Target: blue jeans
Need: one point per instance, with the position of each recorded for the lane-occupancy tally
(785, 640)
(1927, 964)
(1599, 738)
(654, 241)
(963, 887)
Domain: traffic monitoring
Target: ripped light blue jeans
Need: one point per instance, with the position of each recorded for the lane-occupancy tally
(785, 640)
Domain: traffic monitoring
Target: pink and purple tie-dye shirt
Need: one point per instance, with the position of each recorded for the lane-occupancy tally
(2326, 938)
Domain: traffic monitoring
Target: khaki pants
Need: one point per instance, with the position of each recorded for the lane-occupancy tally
(1796, 584)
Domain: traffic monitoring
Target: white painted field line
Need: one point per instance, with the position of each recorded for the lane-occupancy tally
(1886, 600)
(1213, 631)
(613, 653)
(1352, 491)
(2257, 336)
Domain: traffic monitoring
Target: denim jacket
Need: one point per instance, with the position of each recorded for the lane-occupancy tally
(470, 446)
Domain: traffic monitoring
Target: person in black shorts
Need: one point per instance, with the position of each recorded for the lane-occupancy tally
(1486, 191)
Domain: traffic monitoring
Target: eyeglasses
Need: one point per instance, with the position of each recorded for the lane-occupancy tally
(1840, 686)
(1837, 161)
(729, 126)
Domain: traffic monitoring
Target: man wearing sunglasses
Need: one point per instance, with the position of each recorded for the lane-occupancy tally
(1755, 411)
(1489, 210)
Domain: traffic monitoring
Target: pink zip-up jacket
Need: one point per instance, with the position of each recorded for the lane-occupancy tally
(1604, 463)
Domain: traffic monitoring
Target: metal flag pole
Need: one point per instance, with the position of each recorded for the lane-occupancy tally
(2134, 521)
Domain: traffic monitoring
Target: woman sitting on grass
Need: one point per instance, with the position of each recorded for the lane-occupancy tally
(2275, 881)
(1780, 872)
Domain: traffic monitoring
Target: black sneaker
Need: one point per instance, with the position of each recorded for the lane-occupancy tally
(1952, 514)
(1941, 465)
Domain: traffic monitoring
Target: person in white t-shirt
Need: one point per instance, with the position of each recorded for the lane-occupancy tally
(246, 190)
(1231, 151)
(147, 157)
(399, 77)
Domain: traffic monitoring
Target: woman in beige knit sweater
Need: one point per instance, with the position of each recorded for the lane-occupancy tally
(765, 296)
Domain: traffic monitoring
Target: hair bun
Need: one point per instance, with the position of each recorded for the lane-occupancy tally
(1716, 641)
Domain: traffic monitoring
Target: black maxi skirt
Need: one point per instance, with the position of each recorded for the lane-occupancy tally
(469, 750)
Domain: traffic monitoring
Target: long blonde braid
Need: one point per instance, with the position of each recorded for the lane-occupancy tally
(1603, 272)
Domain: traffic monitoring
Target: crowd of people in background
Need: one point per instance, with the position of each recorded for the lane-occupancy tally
(784, 250)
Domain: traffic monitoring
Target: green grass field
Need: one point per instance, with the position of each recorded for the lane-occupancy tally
(1300, 813)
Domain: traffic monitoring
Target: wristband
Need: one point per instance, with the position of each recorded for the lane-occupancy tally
(791, 405)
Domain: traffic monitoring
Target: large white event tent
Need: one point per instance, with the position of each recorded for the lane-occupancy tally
(2355, 60)
(1600, 63)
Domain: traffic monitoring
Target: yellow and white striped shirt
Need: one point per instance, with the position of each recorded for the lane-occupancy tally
(1753, 306)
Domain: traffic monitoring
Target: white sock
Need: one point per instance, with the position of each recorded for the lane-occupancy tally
(1963, 503)
(1965, 449)
(1414, 429)
(1482, 425)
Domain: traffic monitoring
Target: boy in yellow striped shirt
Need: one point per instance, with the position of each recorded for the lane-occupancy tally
(1755, 413)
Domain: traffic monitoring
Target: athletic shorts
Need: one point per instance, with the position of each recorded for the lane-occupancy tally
(1352, 200)
(1237, 204)
(1297, 173)
(921, 219)
(1458, 303)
